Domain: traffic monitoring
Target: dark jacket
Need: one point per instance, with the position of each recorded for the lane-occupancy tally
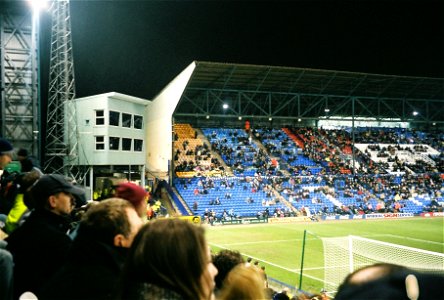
(149, 291)
(39, 248)
(91, 272)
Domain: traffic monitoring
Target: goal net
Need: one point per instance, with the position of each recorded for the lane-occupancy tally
(343, 255)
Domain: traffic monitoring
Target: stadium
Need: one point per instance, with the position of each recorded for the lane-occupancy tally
(312, 173)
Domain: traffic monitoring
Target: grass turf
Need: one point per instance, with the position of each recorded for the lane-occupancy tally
(278, 247)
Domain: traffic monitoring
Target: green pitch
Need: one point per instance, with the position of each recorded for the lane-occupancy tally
(278, 247)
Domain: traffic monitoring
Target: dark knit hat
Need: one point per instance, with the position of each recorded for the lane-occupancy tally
(5, 147)
(131, 192)
(22, 152)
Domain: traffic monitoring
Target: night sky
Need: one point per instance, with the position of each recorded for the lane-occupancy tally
(138, 47)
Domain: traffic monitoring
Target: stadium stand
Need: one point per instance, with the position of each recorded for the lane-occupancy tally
(307, 171)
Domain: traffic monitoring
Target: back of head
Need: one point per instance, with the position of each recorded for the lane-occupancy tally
(243, 282)
(372, 272)
(170, 253)
(225, 261)
(387, 281)
(396, 286)
(104, 220)
(26, 181)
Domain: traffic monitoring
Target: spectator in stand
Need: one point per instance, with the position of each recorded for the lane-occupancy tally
(256, 264)
(225, 261)
(6, 262)
(28, 163)
(96, 258)
(244, 283)
(40, 246)
(282, 295)
(6, 272)
(20, 211)
(248, 263)
(6, 151)
(162, 264)
(264, 275)
(136, 195)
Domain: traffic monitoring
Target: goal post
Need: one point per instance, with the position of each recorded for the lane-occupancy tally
(343, 255)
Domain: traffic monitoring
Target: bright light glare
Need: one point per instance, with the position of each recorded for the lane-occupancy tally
(225, 106)
(240, 118)
(270, 119)
(415, 113)
(38, 5)
(327, 110)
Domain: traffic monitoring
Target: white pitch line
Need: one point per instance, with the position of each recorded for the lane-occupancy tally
(270, 263)
(263, 242)
(413, 239)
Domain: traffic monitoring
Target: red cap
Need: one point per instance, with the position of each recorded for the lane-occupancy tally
(132, 192)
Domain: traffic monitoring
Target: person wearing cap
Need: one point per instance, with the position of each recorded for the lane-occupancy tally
(134, 194)
(40, 246)
(98, 252)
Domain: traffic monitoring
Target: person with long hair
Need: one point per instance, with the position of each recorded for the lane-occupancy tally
(169, 259)
(243, 282)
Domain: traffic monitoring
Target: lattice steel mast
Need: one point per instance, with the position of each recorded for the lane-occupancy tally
(19, 82)
(61, 133)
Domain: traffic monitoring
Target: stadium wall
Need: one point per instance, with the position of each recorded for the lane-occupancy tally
(160, 122)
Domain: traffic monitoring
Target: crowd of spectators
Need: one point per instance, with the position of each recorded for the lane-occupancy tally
(324, 153)
(311, 151)
(320, 194)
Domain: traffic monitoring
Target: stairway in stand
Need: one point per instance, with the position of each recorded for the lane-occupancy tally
(295, 138)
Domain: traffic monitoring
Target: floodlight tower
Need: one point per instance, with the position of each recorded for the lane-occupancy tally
(61, 133)
(19, 80)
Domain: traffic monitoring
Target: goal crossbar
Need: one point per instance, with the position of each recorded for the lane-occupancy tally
(343, 255)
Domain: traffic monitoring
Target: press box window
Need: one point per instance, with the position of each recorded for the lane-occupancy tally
(138, 122)
(114, 118)
(126, 120)
(138, 145)
(126, 144)
(100, 117)
(100, 143)
(114, 143)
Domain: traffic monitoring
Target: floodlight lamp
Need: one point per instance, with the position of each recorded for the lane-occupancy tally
(207, 117)
(240, 118)
(270, 119)
(299, 120)
(38, 5)
(225, 106)
(415, 113)
(434, 124)
(327, 110)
